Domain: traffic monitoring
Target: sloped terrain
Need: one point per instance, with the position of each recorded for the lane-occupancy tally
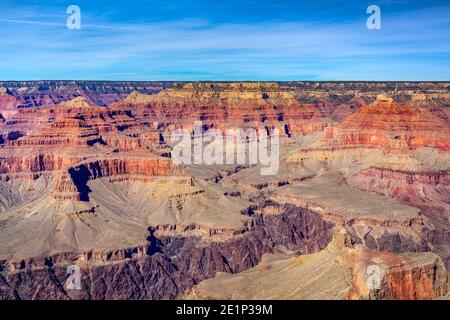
(363, 180)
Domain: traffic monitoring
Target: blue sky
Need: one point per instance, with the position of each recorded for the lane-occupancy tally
(225, 40)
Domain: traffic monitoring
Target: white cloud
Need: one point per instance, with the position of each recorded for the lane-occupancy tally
(195, 48)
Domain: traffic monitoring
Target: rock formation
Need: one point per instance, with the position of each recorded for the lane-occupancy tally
(347, 271)
(393, 127)
(86, 178)
(48, 93)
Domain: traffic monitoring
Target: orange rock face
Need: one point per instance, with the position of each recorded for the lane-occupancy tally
(65, 188)
(257, 105)
(393, 127)
(8, 102)
(422, 282)
(410, 276)
(433, 186)
(339, 132)
(133, 166)
(77, 134)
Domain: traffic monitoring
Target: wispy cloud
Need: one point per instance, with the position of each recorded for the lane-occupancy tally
(42, 23)
(412, 45)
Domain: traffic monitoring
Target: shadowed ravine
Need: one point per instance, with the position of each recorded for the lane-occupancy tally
(87, 179)
(168, 266)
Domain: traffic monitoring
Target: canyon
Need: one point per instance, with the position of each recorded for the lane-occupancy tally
(87, 179)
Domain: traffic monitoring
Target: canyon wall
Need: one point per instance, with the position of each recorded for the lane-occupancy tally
(48, 93)
(165, 267)
(85, 172)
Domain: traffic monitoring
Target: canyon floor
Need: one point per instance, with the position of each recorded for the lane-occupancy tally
(359, 208)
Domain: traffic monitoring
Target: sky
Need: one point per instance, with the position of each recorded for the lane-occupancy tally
(281, 40)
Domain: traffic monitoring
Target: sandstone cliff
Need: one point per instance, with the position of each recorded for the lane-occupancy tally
(86, 178)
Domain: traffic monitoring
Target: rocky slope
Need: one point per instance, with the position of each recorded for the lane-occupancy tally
(363, 180)
(340, 265)
(164, 267)
(392, 126)
(47, 93)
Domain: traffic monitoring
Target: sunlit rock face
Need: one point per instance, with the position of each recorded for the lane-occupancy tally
(220, 105)
(86, 178)
(394, 127)
(25, 94)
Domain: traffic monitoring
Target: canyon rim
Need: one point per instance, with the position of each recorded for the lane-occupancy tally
(224, 158)
(88, 185)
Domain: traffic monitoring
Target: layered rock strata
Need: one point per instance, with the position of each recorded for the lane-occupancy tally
(90, 184)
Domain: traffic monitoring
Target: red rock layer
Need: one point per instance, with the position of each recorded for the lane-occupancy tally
(62, 132)
(393, 127)
(131, 166)
(36, 163)
(57, 137)
(65, 188)
(257, 105)
(8, 102)
(421, 282)
(71, 183)
(403, 276)
(404, 184)
(410, 278)
(46, 93)
(27, 94)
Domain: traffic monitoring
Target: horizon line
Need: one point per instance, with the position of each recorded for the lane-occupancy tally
(226, 81)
